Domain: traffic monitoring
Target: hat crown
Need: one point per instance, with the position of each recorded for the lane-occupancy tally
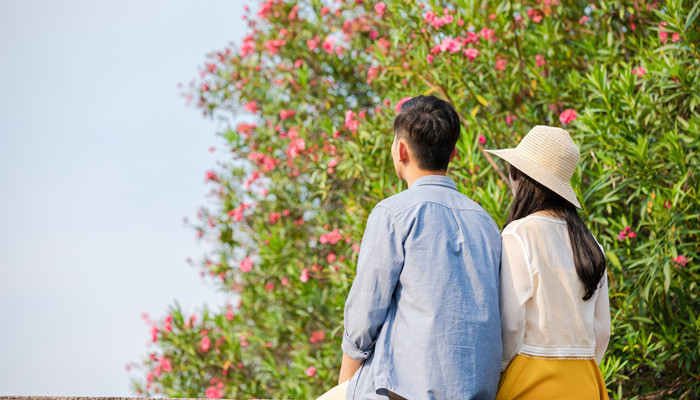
(552, 148)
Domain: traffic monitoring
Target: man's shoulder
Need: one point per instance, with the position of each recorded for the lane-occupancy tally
(407, 200)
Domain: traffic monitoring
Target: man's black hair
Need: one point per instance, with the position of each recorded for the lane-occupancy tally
(431, 127)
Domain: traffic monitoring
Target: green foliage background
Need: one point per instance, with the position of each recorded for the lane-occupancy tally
(630, 70)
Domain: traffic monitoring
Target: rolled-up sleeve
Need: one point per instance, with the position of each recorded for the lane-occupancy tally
(517, 286)
(378, 268)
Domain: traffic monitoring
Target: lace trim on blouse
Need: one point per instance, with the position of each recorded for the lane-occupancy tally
(559, 352)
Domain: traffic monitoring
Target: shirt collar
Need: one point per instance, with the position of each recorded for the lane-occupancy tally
(434, 180)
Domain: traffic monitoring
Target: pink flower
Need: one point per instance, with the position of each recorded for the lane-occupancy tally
(567, 116)
(325, 10)
(373, 34)
(317, 336)
(500, 64)
(488, 34)
(246, 265)
(400, 103)
(295, 147)
(274, 216)
(311, 371)
(510, 119)
(251, 106)
(312, 44)
(449, 44)
(274, 45)
(213, 393)
(330, 258)
(379, 8)
(247, 47)
(154, 333)
(327, 44)
(304, 275)
(639, 71)
(165, 364)
(430, 58)
(626, 233)
(269, 286)
(229, 314)
(539, 60)
(190, 322)
(471, 53)
(351, 122)
(293, 14)
(663, 33)
(372, 74)
(331, 237)
(285, 281)
(211, 177)
(285, 114)
(168, 323)
(680, 261)
(675, 38)
(583, 20)
(482, 139)
(245, 129)
(332, 163)
(237, 213)
(534, 15)
(205, 344)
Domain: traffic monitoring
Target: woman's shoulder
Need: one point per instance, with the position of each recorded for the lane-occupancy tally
(523, 225)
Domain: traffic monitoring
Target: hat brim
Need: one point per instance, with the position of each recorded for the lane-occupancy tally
(540, 174)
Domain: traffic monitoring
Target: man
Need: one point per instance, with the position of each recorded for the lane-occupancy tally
(422, 317)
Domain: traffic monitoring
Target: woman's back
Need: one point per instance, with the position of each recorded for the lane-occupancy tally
(545, 295)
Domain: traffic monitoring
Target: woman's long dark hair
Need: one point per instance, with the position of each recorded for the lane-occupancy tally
(532, 197)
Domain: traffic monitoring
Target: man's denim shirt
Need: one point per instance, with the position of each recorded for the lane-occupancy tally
(423, 309)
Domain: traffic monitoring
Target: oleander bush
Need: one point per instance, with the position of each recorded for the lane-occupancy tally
(310, 95)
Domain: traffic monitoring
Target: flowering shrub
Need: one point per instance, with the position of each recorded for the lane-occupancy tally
(318, 85)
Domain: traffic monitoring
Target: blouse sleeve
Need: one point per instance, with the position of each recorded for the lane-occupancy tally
(602, 321)
(517, 286)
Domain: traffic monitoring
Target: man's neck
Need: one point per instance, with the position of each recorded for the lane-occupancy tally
(411, 176)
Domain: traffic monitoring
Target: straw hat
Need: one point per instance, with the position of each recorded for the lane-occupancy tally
(549, 156)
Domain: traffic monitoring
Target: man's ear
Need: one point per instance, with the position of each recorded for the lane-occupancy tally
(403, 150)
(454, 153)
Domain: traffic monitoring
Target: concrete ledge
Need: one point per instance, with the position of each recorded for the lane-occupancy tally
(82, 398)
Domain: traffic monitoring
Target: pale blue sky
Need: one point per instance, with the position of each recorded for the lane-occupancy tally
(100, 160)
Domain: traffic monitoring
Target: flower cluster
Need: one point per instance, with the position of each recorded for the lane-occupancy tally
(626, 233)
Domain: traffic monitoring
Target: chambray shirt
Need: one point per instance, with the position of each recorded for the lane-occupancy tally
(423, 310)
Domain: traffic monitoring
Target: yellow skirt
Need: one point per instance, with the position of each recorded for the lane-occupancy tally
(537, 378)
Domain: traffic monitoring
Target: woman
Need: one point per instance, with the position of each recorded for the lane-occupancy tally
(555, 313)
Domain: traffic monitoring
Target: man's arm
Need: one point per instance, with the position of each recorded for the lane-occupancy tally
(348, 368)
(378, 268)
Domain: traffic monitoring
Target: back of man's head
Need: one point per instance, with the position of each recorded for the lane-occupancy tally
(431, 128)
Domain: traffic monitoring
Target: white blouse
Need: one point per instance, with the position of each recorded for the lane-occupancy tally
(543, 313)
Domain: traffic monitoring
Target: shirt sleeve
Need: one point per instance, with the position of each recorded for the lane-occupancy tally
(378, 268)
(517, 286)
(601, 323)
